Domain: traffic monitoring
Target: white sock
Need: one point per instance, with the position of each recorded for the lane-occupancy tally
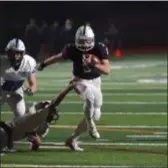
(81, 128)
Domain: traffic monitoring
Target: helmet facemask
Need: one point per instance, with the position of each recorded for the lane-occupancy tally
(15, 58)
(15, 50)
(84, 43)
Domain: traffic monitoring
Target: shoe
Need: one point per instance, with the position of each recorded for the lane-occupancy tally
(2, 154)
(73, 145)
(93, 130)
(94, 134)
(9, 150)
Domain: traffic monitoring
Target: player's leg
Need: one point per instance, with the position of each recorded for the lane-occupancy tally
(17, 103)
(98, 99)
(88, 97)
(86, 92)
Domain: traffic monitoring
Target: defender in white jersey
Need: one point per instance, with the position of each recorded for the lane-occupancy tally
(16, 67)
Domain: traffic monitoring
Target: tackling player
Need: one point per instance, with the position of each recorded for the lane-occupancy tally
(15, 68)
(88, 73)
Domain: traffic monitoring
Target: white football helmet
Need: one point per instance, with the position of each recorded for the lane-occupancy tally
(84, 38)
(15, 45)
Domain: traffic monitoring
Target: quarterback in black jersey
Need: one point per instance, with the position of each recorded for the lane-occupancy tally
(88, 75)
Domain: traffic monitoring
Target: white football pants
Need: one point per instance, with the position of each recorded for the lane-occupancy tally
(90, 92)
(15, 101)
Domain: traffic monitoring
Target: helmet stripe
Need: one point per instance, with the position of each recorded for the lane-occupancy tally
(84, 30)
(17, 41)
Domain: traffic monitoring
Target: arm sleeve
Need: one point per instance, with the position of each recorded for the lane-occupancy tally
(32, 70)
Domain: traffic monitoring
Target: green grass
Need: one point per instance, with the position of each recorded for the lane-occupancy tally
(126, 94)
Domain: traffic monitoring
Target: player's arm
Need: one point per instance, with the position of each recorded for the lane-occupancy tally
(65, 54)
(32, 83)
(31, 79)
(52, 60)
(104, 67)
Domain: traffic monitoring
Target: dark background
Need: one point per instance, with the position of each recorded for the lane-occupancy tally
(139, 23)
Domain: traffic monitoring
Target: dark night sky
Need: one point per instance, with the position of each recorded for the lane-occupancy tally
(80, 10)
(136, 20)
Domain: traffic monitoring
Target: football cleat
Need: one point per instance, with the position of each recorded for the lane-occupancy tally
(93, 130)
(73, 145)
(9, 150)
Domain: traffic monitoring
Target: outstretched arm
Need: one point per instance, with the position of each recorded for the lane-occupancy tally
(52, 60)
(56, 101)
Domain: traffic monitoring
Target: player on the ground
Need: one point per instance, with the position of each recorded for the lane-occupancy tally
(88, 73)
(40, 115)
(15, 67)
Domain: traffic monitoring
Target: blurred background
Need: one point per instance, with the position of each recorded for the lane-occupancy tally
(134, 94)
(46, 27)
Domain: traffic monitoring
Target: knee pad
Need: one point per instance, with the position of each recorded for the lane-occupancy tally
(97, 113)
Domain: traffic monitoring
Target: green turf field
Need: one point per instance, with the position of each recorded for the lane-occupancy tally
(133, 125)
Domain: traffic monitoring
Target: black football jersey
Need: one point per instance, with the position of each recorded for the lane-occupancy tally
(76, 56)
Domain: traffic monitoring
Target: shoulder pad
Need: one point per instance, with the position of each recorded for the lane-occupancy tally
(70, 45)
(101, 44)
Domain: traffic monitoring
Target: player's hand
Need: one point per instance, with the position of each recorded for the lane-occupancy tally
(86, 60)
(28, 92)
(40, 66)
(73, 82)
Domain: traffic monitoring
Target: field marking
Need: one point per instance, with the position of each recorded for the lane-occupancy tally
(98, 143)
(147, 136)
(118, 128)
(107, 94)
(65, 166)
(107, 113)
(112, 102)
(152, 81)
(145, 82)
(110, 88)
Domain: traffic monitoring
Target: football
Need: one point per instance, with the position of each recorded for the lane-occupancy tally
(94, 58)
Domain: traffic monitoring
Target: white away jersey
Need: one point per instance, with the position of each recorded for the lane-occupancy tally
(14, 79)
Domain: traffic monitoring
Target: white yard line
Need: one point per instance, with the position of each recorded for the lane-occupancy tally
(63, 166)
(110, 88)
(99, 143)
(107, 113)
(147, 136)
(143, 82)
(107, 94)
(114, 102)
(115, 126)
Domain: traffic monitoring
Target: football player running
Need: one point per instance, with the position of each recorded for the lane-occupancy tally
(88, 73)
(16, 66)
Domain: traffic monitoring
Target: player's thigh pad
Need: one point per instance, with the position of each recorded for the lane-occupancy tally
(17, 104)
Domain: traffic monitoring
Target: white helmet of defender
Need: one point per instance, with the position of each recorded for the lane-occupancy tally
(84, 38)
(15, 45)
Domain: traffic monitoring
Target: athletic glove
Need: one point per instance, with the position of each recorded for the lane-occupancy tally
(28, 92)
(40, 66)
